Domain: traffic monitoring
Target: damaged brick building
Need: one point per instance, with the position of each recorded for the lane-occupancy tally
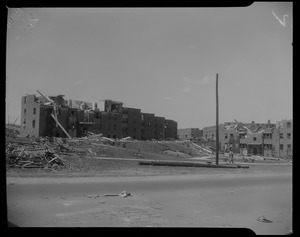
(78, 117)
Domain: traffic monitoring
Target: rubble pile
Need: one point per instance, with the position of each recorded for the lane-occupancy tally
(47, 152)
(11, 131)
(33, 157)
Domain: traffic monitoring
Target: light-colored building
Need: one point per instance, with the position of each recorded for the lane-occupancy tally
(245, 138)
(189, 133)
(283, 139)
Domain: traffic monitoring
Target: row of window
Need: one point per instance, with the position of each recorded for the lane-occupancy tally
(34, 111)
(114, 127)
(24, 123)
(288, 136)
(231, 135)
(288, 146)
(114, 116)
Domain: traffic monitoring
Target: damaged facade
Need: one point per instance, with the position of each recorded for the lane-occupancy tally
(79, 117)
(265, 139)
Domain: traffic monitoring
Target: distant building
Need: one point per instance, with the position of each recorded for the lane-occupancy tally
(79, 117)
(190, 133)
(244, 138)
(283, 139)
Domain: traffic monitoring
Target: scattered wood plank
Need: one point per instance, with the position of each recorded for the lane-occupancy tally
(62, 128)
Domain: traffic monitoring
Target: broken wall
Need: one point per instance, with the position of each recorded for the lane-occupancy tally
(30, 116)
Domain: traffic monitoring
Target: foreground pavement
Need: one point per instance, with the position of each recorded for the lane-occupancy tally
(224, 200)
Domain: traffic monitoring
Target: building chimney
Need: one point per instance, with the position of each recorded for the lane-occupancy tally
(253, 122)
(269, 123)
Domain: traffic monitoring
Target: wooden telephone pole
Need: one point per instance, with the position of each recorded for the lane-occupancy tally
(217, 122)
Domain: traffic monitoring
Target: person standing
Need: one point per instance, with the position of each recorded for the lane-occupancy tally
(231, 157)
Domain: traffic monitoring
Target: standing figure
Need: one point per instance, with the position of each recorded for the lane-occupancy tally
(231, 157)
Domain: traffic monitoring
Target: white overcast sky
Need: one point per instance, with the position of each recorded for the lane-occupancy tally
(161, 60)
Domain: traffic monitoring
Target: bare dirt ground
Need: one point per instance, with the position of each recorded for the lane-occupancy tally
(163, 197)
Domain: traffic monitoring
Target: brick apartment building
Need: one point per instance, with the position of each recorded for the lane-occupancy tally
(170, 129)
(78, 117)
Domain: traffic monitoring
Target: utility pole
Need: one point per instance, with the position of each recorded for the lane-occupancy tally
(279, 140)
(217, 122)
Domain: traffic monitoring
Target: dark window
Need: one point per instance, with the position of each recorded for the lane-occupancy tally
(33, 123)
(34, 110)
(24, 111)
(114, 127)
(288, 136)
(25, 100)
(288, 124)
(289, 146)
(281, 146)
(254, 139)
(24, 122)
(114, 136)
(281, 135)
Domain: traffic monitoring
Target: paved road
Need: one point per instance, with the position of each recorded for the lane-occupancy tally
(185, 201)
